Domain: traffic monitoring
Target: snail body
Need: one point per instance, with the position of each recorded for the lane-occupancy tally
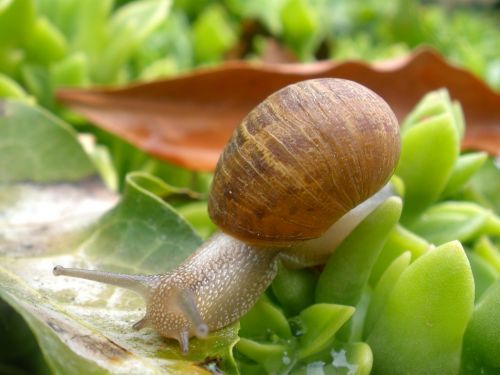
(288, 186)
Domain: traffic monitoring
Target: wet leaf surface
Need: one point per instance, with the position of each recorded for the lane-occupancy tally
(81, 326)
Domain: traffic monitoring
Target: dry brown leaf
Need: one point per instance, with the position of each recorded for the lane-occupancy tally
(188, 119)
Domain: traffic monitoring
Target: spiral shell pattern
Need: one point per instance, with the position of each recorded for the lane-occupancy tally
(301, 159)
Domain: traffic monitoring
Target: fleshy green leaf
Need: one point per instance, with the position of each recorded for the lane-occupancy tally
(421, 328)
(11, 89)
(300, 24)
(428, 154)
(265, 320)
(433, 104)
(270, 356)
(346, 273)
(319, 324)
(169, 45)
(39, 83)
(383, 290)
(46, 44)
(17, 19)
(485, 185)
(341, 359)
(71, 71)
(82, 22)
(488, 251)
(197, 215)
(465, 167)
(266, 11)
(400, 240)
(213, 35)
(126, 29)
(484, 273)
(461, 221)
(32, 144)
(481, 344)
(294, 289)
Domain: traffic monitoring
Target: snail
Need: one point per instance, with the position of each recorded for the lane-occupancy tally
(292, 182)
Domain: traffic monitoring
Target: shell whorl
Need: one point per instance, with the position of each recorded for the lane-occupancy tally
(301, 159)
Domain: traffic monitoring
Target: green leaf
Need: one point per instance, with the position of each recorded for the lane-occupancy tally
(484, 274)
(169, 44)
(433, 104)
(488, 251)
(161, 68)
(71, 71)
(465, 167)
(266, 11)
(166, 241)
(462, 221)
(400, 240)
(33, 143)
(4, 4)
(345, 276)
(319, 324)
(428, 155)
(88, 21)
(383, 290)
(47, 44)
(294, 289)
(17, 19)
(485, 185)
(127, 29)
(11, 59)
(270, 356)
(300, 24)
(352, 358)
(84, 24)
(213, 35)
(78, 21)
(341, 359)
(196, 214)
(481, 342)
(348, 268)
(11, 89)
(37, 80)
(421, 328)
(265, 320)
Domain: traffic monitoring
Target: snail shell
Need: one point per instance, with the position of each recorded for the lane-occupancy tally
(301, 159)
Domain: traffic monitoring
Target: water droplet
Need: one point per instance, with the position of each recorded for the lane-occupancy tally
(340, 361)
(315, 368)
(286, 359)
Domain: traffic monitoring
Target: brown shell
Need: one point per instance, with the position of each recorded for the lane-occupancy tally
(301, 159)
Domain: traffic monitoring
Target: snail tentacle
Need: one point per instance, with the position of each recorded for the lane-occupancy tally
(141, 284)
(187, 303)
